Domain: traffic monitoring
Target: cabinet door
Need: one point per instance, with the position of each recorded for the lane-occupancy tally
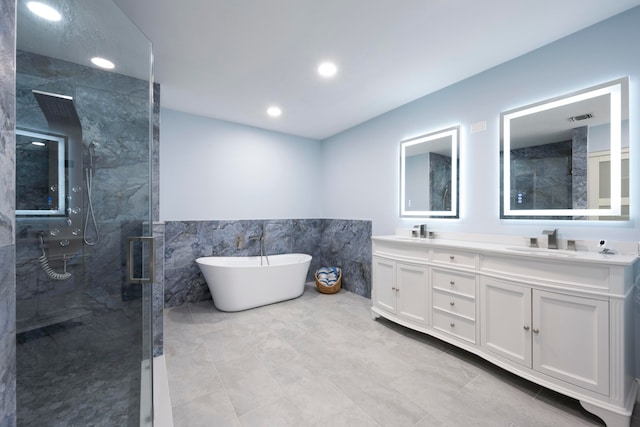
(506, 320)
(571, 339)
(384, 284)
(412, 290)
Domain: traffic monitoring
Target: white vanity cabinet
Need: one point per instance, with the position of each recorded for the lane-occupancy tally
(561, 319)
(402, 289)
(563, 336)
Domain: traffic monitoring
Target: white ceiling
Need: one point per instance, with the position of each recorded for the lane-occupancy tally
(230, 59)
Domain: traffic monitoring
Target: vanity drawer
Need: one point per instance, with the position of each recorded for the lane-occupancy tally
(456, 304)
(454, 281)
(454, 325)
(454, 257)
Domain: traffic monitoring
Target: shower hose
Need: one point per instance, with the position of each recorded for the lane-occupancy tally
(44, 263)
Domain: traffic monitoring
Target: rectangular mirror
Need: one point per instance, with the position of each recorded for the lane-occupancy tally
(429, 175)
(40, 173)
(568, 157)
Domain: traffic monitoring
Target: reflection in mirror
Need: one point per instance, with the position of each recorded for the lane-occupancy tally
(429, 175)
(568, 158)
(40, 173)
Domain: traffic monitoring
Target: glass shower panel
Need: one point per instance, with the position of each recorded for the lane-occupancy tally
(84, 332)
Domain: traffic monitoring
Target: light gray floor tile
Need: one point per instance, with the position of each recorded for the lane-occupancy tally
(384, 404)
(213, 409)
(312, 393)
(320, 360)
(191, 375)
(206, 314)
(279, 413)
(249, 383)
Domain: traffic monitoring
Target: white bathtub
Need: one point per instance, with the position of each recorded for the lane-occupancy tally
(239, 283)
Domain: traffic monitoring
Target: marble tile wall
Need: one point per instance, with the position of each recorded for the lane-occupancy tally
(331, 242)
(440, 181)
(541, 174)
(7, 215)
(114, 113)
(155, 157)
(579, 161)
(158, 291)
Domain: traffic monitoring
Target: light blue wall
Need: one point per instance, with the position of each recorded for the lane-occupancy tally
(367, 186)
(212, 169)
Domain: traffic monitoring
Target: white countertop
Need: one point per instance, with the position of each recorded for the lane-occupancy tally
(515, 250)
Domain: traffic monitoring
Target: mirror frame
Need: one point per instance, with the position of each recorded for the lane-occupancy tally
(615, 90)
(60, 140)
(454, 134)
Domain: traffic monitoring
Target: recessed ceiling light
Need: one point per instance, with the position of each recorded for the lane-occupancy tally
(102, 63)
(38, 143)
(274, 111)
(327, 69)
(44, 11)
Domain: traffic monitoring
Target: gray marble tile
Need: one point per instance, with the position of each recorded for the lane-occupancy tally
(155, 156)
(7, 337)
(7, 121)
(114, 113)
(158, 291)
(330, 242)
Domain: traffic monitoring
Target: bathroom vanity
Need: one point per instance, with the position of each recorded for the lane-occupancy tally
(562, 319)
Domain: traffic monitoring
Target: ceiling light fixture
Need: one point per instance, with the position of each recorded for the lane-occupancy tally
(38, 143)
(102, 63)
(44, 11)
(327, 69)
(274, 111)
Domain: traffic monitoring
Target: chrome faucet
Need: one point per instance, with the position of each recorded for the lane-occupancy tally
(260, 238)
(552, 238)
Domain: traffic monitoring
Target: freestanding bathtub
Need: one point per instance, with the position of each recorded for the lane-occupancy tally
(240, 283)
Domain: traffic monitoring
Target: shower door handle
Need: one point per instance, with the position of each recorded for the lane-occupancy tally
(149, 242)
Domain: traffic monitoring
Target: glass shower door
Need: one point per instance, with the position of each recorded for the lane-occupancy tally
(83, 189)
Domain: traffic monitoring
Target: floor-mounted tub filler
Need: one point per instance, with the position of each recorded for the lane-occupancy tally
(240, 283)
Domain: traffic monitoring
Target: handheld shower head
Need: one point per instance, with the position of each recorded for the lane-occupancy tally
(92, 152)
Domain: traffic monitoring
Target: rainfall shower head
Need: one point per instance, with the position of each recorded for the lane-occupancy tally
(57, 109)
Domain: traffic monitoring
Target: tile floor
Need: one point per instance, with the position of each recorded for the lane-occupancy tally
(320, 360)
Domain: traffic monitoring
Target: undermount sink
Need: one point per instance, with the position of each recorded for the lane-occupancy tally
(542, 251)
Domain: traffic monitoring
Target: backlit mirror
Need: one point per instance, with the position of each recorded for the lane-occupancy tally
(568, 157)
(40, 173)
(429, 175)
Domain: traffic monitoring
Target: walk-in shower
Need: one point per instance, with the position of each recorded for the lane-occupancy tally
(83, 188)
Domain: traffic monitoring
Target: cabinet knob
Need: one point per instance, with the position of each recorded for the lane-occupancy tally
(451, 257)
(393, 288)
(452, 303)
(535, 331)
(526, 328)
(452, 324)
(452, 282)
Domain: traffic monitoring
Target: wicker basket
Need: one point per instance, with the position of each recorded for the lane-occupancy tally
(329, 289)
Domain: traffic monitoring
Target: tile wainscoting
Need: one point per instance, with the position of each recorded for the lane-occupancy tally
(331, 242)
